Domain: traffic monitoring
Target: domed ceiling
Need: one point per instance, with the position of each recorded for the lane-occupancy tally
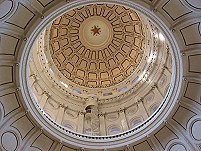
(55, 120)
(97, 45)
(105, 69)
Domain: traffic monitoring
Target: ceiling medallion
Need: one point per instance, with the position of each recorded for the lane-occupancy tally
(89, 33)
(95, 30)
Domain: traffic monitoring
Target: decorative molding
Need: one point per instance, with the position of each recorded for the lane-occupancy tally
(47, 2)
(170, 12)
(9, 10)
(7, 77)
(9, 141)
(43, 141)
(16, 22)
(7, 101)
(143, 146)
(196, 39)
(165, 135)
(8, 48)
(178, 114)
(188, 92)
(23, 125)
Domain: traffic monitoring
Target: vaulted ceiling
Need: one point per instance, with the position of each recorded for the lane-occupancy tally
(23, 126)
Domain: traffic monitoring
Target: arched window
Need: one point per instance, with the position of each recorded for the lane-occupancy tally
(135, 122)
(122, 89)
(77, 91)
(67, 125)
(114, 130)
(88, 131)
(154, 108)
(107, 94)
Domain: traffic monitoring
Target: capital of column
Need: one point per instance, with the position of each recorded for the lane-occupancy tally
(65, 106)
(82, 149)
(121, 110)
(165, 67)
(35, 76)
(61, 105)
(101, 114)
(140, 100)
(128, 147)
(154, 86)
(48, 94)
(81, 113)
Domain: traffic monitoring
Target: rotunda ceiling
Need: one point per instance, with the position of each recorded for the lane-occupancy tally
(97, 45)
(101, 64)
(50, 117)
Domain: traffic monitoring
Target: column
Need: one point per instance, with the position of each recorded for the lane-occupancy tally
(129, 148)
(60, 114)
(123, 120)
(142, 109)
(157, 93)
(168, 70)
(43, 99)
(80, 124)
(32, 79)
(168, 74)
(102, 124)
